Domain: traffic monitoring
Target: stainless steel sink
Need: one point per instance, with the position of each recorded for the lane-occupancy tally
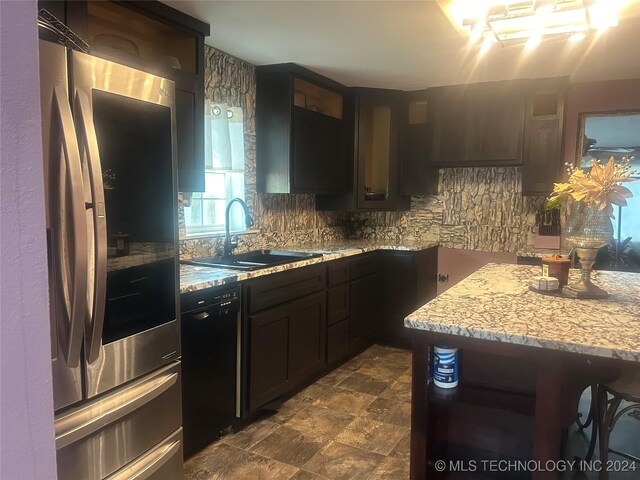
(252, 260)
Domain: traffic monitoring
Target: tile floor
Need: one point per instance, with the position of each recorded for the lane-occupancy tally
(351, 424)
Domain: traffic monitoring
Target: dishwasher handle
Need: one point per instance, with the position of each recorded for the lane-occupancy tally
(201, 315)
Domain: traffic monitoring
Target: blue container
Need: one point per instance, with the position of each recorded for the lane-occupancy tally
(445, 366)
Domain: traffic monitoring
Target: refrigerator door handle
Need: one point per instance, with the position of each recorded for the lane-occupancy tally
(96, 416)
(95, 319)
(150, 463)
(74, 315)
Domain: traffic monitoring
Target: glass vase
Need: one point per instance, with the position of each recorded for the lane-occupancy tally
(587, 229)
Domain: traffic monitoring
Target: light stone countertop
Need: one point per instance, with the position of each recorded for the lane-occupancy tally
(194, 278)
(494, 303)
(543, 252)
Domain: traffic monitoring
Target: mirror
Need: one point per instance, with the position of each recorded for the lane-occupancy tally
(602, 135)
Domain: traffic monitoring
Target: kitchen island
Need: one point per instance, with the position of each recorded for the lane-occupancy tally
(525, 358)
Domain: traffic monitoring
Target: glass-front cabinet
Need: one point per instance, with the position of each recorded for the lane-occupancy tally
(377, 150)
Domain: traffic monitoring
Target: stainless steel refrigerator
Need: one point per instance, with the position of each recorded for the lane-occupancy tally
(109, 162)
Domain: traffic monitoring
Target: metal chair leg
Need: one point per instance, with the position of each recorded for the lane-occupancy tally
(609, 408)
(589, 419)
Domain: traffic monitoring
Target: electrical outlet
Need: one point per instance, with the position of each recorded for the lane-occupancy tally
(443, 277)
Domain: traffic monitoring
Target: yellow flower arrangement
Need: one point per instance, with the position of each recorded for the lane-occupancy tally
(600, 187)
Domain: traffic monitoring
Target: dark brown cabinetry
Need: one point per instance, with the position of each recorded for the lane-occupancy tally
(409, 281)
(305, 321)
(417, 177)
(543, 134)
(338, 310)
(302, 132)
(158, 39)
(364, 316)
(376, 167)
(286, 323)
(476, 125)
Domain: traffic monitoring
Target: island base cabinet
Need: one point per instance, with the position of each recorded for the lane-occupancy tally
(287, 347)
(513, 402)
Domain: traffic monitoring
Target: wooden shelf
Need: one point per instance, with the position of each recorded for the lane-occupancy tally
(465, 394)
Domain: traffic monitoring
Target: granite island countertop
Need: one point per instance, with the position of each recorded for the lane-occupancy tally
(494, 303)
(194, 278)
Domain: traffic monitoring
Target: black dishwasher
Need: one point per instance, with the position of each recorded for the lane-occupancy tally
(210, 364)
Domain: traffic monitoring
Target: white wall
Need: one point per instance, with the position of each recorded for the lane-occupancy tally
(26, 402)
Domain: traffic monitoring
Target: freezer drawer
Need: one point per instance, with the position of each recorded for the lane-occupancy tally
(97, 439)
(162, 462)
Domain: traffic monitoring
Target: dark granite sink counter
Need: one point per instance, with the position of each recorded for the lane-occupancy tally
(494, 303)
(196, 278)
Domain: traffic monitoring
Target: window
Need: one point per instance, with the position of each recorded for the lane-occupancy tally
(224, 172)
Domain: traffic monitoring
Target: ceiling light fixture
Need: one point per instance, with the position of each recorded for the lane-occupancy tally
(517, 22)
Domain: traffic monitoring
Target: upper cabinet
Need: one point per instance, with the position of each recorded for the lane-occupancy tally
(375, 182)
(303, 123)
(417, 176)
(543, 134)
(156, 38)
(476, 125)
(377, 143)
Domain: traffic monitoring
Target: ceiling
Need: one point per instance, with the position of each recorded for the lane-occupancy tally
(402, 44)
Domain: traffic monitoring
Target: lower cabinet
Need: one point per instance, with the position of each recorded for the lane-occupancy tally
(287, 345)
(410, 280)
(306, 321)
(338, 342)
(364, 311)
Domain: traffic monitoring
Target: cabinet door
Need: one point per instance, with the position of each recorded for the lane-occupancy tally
(497, 117)
(319, 153)
(448, 119)
(338, 299)
(416, 175)
(542, 162)
(190, 137)
(268, 355)
(399, 294)
(337, 341)
(364, 311)
(377, 156)
(307, 337)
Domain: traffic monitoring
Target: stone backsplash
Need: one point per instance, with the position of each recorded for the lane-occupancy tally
(476, 208)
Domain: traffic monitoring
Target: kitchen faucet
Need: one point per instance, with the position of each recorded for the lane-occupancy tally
(228, 244)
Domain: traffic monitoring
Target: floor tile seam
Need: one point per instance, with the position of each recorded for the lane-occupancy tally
(218, 470)
(347, 391)
(376, 469)
(291, 465)
(323, 439)
(346, 445)
(381, 423)
(264, 457)
(278, 425)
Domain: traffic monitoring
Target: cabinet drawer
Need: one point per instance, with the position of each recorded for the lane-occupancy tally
(338, 303)
(338, 341)
(271, 290)
(363, 266)
(338, 272)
